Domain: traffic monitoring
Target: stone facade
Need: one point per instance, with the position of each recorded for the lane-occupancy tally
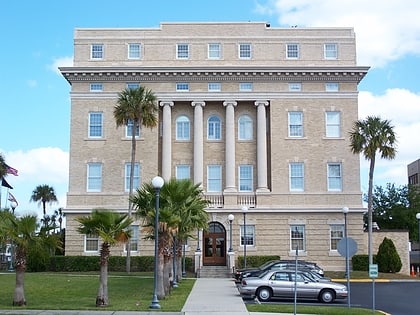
(229, 71)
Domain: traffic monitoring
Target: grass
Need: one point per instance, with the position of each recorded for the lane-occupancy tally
(54, 291)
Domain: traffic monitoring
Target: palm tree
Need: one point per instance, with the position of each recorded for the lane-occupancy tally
(137, 107)
(3, 169)
(44, 194)
(112, 228)
(369, 137)
(22, 232)
(181, 211)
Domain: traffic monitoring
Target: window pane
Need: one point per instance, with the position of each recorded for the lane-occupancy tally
(97, 51)
(214, 178)
(95, 125)
(331, 51)
(331, 87)
(295, 124)
(249, 235)
(136, 177)
(245, 178)
(336, 234)
(134, 51)
(133, 86)
(245, 51)
(245, 87)
(129, 130)
(94, 182)
(245, 128)
(183, 172)
(297, 237)
(332, 124)
(295, 87)
(296, 176)
(182, 87)
(293, 51)
(182, 51)
(134, 240)
(334, 177)
(214, 51)
(213, 128)
(96, 87)
(183, 128)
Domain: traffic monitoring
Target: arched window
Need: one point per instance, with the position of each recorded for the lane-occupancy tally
(182, 128)
(245, 128)
(213, 128)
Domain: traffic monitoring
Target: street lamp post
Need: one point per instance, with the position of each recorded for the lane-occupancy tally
(345, 212)
(13, 205)
(418, 219)
(157, 183)
(230, 218)
(244, 211)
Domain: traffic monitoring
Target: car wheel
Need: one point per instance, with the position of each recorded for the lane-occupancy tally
(264, 294)
(327, 296)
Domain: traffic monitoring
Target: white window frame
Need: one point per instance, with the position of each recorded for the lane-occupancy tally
(183, 171)
(94, 177)
(134, 51)
(245, 127)
(297, 237)
(134, 239)
(96, 87)
(331, 87)
(214, 51)
(215, 87)
(333, 124)
(292, 51)
(92, 239)
(182, 87)
(245, 87)
(214, 178)
(182, 51)
(246, 178)
(296, 176)
(136, 178)
(295, 87)
(97, 52)
(214, 128)
(95, 128)
(128, 129)
(249, 235)
(331, 51)
(295, 125)
(245, 51)
(183, 128)
(336, 234)
(335, 181)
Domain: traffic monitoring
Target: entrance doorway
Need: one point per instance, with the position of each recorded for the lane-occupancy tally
(214, 244)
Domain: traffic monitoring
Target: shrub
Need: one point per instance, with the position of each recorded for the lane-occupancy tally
(388, 259)
(361, 262)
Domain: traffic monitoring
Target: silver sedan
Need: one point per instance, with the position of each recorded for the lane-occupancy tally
(281, 283)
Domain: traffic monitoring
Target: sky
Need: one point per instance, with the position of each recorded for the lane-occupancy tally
(37, 38)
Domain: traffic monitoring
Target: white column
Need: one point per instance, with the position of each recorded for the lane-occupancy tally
(230, 146)
(198, 142)
(166, 140)
(261, 146)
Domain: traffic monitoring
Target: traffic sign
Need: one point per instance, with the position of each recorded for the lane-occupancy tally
(373, 271)
(341, 247)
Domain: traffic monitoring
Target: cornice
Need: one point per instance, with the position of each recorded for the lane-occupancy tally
(191, 74)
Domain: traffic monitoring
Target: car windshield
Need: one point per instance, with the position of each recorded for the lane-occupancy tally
(263, 273)
(265, 265)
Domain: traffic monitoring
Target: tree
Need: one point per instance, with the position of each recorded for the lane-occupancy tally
(3, 169)
(22, 232)
(387, 257)
(138, 108)
(44, 194)
(369, 137)
(181, 211)
(112, 228)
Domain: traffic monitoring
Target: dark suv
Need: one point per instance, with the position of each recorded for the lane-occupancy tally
(278, 265)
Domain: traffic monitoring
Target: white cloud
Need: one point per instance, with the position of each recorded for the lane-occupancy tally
(385, 30)
(61, 62)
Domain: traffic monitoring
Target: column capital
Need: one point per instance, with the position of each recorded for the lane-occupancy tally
(164, 103)
(198, 103)
(261, 102)
(227, 103)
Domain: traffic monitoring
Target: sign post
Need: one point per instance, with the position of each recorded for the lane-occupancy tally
(373, 274)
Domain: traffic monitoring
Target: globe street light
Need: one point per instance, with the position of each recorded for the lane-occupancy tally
(244, 211)
(157, 183)
(230, 218)
(345, 212)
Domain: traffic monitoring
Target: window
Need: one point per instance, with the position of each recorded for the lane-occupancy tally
(213, 128)
(245, 178)
(182, 87)
(94, 177)
(245, 128)
(295, 124)
(334, 177)
(136, 177)
(134, 239)
(296, 176)
(245, 51)
(97, 51)
(182, 172)
(331, 87)
(297, 237)
(134, 51)
(248, 236)
(96, 87)
(182, 51)
(214, 87)
(182, 128)
(215, 51)
(129, 130)
(332, 124)
(91, 243)
(214, 178)
(336, 234)
(245, 87)
(133, 86)
(95, 125)
(330, 51)
(292, 51)
(295, 87)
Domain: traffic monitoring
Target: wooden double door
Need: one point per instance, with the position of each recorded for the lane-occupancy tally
(214, 244)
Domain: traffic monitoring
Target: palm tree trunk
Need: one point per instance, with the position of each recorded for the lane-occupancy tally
(102, 297)
(20, 265)
(370, 210)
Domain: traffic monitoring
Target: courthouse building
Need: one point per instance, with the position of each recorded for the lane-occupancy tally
(258, 115)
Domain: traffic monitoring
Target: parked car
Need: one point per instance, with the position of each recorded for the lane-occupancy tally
(281, 284)
(277, 265)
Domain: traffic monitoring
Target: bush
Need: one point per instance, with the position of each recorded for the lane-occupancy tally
(388, 259)
(361, 262)
(38, 259)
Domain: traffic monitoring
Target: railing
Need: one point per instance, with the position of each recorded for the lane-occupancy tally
(218, 201)
(215, 200)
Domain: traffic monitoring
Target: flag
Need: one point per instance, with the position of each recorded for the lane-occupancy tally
(11, 170)
(12, 198)
(5, 183)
